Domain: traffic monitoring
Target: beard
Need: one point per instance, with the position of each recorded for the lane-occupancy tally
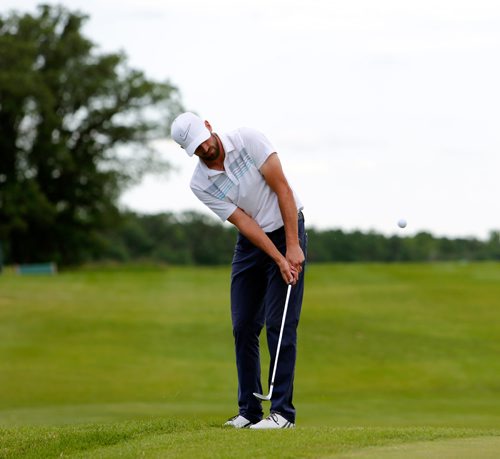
(212, 154)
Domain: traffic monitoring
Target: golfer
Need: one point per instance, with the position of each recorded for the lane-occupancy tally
(240, 178)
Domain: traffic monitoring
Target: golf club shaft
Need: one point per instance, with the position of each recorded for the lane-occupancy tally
(281, 335)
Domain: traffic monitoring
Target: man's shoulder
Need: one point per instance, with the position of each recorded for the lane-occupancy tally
(199, 177)
(245, 133)
(242, 138)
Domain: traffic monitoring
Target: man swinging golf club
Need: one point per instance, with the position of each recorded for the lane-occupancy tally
(240, 178)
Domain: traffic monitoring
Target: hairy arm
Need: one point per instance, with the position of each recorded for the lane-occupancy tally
(275, 178)
(253, 232)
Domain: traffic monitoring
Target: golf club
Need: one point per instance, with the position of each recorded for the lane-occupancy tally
(268, 396)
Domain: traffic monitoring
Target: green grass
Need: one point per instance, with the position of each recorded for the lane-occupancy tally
(394, 360)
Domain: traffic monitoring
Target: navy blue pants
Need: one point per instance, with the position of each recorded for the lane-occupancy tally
(258, 295)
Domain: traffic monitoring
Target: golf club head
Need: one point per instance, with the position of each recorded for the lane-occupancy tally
(263, 397)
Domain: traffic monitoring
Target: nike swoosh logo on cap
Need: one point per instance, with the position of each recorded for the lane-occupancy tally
(185, 134)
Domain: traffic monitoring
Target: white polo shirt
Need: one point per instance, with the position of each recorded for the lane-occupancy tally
(241, 184)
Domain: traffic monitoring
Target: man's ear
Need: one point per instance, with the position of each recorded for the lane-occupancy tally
(207, 125)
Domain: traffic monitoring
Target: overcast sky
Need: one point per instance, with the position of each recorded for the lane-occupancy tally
(379, 110)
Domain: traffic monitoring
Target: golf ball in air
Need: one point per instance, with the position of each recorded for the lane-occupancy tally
(402, 223)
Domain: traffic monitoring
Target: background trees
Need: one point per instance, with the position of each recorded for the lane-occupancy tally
(66, 113)
(76, 127)
(192, 238)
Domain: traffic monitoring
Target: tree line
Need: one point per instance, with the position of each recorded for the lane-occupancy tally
(192, 238)
(195, 238)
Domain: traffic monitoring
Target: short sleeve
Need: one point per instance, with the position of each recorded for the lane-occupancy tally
(222, 209)
(257, 145)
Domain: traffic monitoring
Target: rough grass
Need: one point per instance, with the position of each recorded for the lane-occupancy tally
(177, 438)
(131, 362)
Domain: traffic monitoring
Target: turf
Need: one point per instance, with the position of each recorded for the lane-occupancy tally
(393, 359)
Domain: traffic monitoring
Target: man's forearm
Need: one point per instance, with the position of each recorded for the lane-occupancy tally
(254, 233)
(288, 210)
(275, 178)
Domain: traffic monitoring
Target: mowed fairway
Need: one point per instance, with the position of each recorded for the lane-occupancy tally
(399, 360)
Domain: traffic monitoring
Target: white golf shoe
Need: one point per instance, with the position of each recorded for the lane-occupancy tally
(273, 421)
(238, 422)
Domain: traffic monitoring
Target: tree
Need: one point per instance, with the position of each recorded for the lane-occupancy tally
(75, 129)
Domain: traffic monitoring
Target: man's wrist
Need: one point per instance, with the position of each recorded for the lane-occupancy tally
(279, 259)
(293, 244)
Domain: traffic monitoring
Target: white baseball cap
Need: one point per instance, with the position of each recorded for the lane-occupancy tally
(189, 131)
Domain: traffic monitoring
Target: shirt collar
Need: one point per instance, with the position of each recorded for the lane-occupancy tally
(227, 144)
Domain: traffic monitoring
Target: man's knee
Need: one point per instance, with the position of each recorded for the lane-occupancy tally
(243, 329)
